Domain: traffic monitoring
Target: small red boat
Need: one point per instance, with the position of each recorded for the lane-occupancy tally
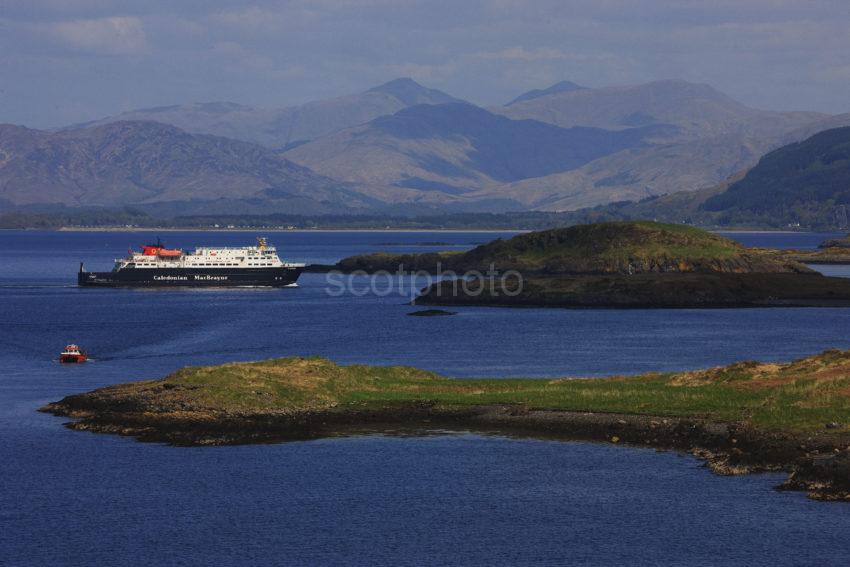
(73, 353)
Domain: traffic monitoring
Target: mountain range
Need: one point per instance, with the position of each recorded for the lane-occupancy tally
(145, 163)
(804, 183)
(459, 148)
(716, 137)
(284, 127)
(402, 147)
(561, 87)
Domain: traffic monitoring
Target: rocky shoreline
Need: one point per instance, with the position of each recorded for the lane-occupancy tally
(820, 257)
(615, 265)
(818, 464)
(649, 291)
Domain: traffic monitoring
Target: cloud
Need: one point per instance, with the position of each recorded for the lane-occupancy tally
(238, 58)
(114, 35)
(60, 56)
(524, 55)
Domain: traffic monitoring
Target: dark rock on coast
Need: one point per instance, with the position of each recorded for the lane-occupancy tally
(647, 291)
(727, 448)
(835, 243)
(431, 313)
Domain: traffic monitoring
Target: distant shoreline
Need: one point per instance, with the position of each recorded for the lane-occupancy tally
(412, 230)
(207, 229)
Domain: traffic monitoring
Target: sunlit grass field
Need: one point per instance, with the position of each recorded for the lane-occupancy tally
(803, 395)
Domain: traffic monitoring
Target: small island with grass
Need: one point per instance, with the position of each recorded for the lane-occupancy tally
(634, 264)
(742, 418)
(831, 251)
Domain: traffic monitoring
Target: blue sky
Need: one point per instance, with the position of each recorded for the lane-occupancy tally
(66, 61)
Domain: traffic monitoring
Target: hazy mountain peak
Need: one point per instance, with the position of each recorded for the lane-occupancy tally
(398, 83)
(561, 87)
(687, 88)
(221, 107)
(698, 109)
(215, 107)
(458, 148)
(283, 127)
(410, 92)
(9, 128)
(123, 130)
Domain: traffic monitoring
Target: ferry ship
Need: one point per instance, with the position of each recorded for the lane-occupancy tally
(158, 266)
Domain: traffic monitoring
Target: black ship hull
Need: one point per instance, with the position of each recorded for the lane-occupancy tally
(192, 277)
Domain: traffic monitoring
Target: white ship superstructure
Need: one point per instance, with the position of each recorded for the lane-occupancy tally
(157, 265)
(156, 256)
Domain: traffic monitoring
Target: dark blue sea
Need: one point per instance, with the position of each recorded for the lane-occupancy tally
(75, 498)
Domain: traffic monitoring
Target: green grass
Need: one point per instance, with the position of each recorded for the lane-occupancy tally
(609, 247)
(798, 396)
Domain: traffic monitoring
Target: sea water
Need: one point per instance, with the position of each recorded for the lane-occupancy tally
(77, 498)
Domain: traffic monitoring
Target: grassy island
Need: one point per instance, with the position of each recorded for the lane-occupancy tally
(823, 255)
(624, 248)
(635, 264)
(741, 418)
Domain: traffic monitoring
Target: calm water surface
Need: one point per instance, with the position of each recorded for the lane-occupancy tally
(75, 498)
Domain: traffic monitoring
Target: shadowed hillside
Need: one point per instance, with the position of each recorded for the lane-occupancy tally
(148, 163)
(402, 148)
(716, 137)
(456, 148)
(562, 87)
(804, 184)
(801, 182)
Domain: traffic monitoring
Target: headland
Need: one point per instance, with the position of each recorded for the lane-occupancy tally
(742, 418)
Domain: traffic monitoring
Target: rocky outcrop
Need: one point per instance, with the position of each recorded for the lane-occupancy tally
(835, 243)
(676, 290)
(431, 313)
(727, 448)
